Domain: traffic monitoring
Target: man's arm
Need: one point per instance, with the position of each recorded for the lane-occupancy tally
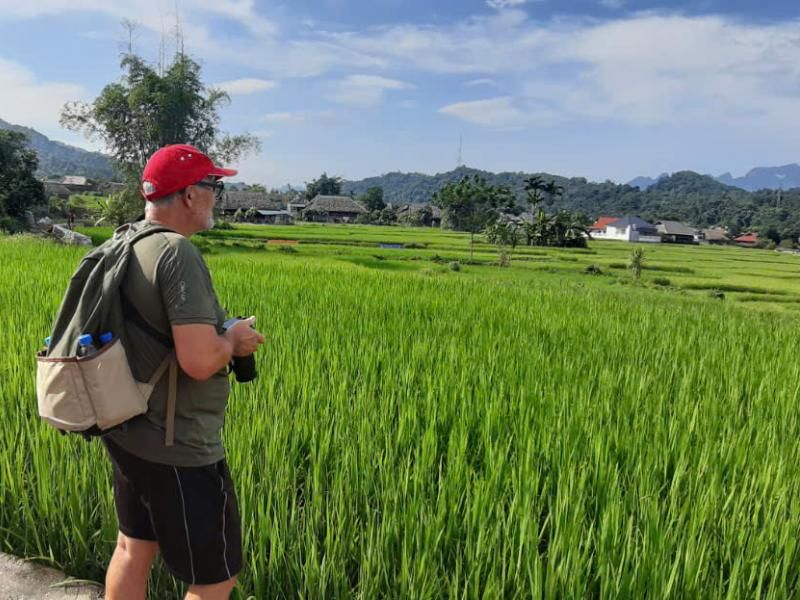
(201, 352)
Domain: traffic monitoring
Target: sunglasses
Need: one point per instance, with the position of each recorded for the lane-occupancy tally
(217, 186)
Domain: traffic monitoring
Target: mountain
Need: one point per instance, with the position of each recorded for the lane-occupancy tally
(760, 178)
(56, 158)
(766, 178)
(645, 182)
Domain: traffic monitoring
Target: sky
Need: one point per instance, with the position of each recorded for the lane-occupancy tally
(602, 89)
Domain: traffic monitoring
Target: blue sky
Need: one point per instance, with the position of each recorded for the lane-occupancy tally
(604, 89)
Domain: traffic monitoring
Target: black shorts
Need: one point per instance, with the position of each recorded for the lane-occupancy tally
(190, 511)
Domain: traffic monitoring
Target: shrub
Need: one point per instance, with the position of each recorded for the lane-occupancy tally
(455, 266)
(593, 270)
(11, 225)
(787, 244)
(222, 224)
(716, 294)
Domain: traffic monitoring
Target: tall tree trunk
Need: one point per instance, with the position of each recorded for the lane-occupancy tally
(471, 242)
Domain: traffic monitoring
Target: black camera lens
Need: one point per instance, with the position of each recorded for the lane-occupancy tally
(244, 368)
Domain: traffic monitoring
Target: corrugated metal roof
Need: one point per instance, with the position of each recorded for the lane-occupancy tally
(674, 228)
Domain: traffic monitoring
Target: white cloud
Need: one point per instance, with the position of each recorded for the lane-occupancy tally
(500, 4)
(28, 101)
(365, 90)
(152, 14)
(283, 117)
(503, 112)
(481, 81)
(239, 87)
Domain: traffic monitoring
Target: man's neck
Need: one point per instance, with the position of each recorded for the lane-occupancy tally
(165, 221)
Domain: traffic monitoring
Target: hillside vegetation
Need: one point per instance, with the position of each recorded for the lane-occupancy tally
(699, 200)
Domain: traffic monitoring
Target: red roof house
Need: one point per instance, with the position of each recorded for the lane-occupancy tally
(748, 239)
(602, 223)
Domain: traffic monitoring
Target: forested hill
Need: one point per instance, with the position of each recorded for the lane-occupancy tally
(699, 200)
(56, 158)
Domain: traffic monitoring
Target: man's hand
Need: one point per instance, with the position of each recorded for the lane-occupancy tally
(202, 353)
(243, 337)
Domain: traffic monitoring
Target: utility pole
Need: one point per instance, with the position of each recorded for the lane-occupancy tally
(460, 161)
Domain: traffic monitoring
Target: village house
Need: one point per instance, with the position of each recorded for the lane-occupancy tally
(598, 228)
(748, 240)
(59, 190)
(413, 214)
(715, 235)
(632, 229)
(260, 207)
(673, 232)
(333, 209)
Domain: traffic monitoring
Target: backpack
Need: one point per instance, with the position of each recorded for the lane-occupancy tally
(91, 394)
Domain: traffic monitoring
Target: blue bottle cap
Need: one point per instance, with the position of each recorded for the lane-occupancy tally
(47, 341)
(106, 337)
(85, 340)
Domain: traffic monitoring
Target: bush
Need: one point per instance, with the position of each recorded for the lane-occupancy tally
(593, 270)
(787, 244)
(11, 225)
(771, 245)
(222, 224)
(455, 266)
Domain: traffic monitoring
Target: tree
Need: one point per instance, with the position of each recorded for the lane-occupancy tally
(472, 205)
(19, 188)
(251, 215)
(257, 187)
(373, 199)
(636, 263)
(324, 186)
(505, 235)
(149, 109)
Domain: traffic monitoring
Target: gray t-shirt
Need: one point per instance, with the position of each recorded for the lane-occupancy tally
(169, 284)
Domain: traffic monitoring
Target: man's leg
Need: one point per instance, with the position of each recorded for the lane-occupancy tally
(126, 577)
(217, 591)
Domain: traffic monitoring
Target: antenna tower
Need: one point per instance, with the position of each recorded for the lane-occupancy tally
(460, 162)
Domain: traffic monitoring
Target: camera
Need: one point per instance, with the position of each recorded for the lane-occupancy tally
(243, 367)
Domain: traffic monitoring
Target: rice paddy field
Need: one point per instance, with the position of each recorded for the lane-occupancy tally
(421, 429)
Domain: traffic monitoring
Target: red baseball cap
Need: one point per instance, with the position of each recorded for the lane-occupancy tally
(174, 167)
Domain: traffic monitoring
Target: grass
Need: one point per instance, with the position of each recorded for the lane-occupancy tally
(419, 432)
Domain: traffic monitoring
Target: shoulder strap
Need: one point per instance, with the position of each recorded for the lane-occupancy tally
(169, 361)
(128, 309)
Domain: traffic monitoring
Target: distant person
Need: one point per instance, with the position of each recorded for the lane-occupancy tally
(177, 499)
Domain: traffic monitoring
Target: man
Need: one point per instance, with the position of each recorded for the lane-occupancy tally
(179, 499)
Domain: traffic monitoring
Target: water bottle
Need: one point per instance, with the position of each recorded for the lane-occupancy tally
(105, 338)
(86, 345)
(46, 348)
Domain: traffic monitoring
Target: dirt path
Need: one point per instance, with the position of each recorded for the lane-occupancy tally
(21, 580)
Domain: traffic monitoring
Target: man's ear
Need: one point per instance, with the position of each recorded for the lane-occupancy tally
(188, 197)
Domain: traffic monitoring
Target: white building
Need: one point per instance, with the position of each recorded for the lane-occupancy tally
(631, 229)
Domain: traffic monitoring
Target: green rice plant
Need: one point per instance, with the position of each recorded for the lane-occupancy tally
(503, 433)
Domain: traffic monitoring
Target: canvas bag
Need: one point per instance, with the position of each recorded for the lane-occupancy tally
(91, 394)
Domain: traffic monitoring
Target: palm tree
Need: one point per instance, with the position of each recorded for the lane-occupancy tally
(552, 191)
(534, 186)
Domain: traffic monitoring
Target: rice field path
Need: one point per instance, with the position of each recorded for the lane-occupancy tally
(24, 580)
